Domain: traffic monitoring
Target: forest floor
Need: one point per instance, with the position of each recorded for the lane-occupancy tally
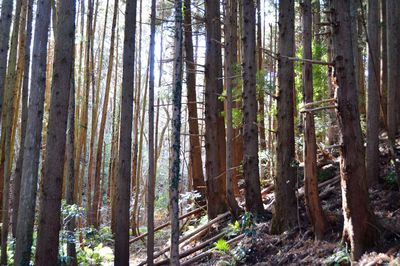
(298, 247)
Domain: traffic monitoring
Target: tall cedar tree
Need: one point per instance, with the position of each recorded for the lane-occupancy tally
(195, 161)
(50, 204)
(360, 226)
(176, 133)
(33, 137)
(250, 132)
(124, 164)
(312, 200)
(231, 84)
(374, 66)
(285, 209)
(24, 116)
(214, 122)
(151, 177)
(5, 27)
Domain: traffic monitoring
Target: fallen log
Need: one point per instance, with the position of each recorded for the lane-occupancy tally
(166, 224)
(209, 252)
(193, 250)
(195, 232)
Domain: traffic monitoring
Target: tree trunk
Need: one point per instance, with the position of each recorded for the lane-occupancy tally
(70, 178)
(174, 172)
(250, 134)
(384, 69)
(97, 194)
(360, 227)
(50, 205)
(196, 165)
(285, 209)
(214, 122)
(124, 165)
(312, 200)
(5, 27)
(231, 84)
(150, 189)
(32, 144)
(374, 66)
(393, 55)
(24, 116)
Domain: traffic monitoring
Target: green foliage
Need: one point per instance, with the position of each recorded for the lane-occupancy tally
(222, 246)
(341, 256)
(391, 178)
(325, 174)
(95, 256)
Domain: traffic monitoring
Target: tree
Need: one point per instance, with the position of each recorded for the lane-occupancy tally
(285, 209)
(33, 137)
(250, 132)
(360, 226)
(374, 66)
(393, 62)
(311, 194)
(50, 205)
(124, 165)
(231, 84)
(176, 134)
(214, 122)
(99, 156)
(196, 165)
(5, 27)
(151, 177)
(24, 115)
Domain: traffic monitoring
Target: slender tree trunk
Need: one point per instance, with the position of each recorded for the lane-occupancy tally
(196, 165)
(29, 178)
(70, 197)
(231, 84)
(312, 200)
(384, 68)
(214, 122)
(97, 195)
(285, 215)
(250, 134)
(24, 115)
(50, 205)
(124, 165)
(151, 177)
(5, 27)
(176, 133)
(360, 227)
(393, 55)
(374, 66)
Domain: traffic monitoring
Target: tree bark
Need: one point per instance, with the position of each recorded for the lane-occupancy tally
(285, 209)
(312, 200)
(196, 165)
(374, 66)
(250, 132)
(231, 84)
(176, 133)
(360, 226)
(124, 165)
(5, 27)
(214, 122)
(50, 205)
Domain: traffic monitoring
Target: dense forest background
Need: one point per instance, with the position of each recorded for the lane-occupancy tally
(253, 132)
